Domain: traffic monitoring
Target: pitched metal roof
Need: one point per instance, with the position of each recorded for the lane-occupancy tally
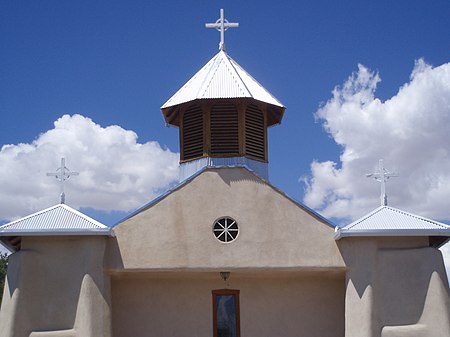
(389, 221)
(221, 77)
(57, 220)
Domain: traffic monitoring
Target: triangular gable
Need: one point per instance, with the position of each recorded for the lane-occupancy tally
(192, 177)
(178, 229)
(56, 220)
(389, 221)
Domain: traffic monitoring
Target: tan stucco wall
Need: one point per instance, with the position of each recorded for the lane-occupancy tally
(56, 287)
(160, 269)
(395, 287)
(271, 304)
(177, 233)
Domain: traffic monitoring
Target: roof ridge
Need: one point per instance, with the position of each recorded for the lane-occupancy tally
(192, 79)
(230, 62)
(62, 210)
(391, 221)
(440, 224)
(236, 84)
(363, 218)
(397, 210)
(216, 61)
(32, 215)
(239, 68)
(84, 216)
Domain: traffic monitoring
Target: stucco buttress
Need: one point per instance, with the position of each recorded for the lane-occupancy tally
(395, 287)
(56, 287)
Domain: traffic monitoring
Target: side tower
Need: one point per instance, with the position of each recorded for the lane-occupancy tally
(223, 114)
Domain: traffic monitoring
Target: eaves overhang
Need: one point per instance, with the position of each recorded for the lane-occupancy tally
(389, 232)
(56, 232)
(171, 114)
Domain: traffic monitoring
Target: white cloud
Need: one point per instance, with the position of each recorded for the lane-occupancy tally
(410, 131)
(116, 172)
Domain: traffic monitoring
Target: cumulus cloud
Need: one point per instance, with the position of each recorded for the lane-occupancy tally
(410, 131)
(115, 171)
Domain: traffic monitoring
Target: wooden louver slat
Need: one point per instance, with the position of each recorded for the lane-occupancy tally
(224, 130)
(192, 133)
(255, 137)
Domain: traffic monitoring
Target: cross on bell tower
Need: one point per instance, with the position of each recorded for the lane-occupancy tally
(62, 174)
(382, 175)
(222, 25)
(223, 115)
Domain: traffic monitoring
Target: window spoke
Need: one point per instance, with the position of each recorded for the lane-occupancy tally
(226, 229)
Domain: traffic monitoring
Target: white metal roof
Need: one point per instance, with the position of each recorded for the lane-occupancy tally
(57, 220)
(221, 77)
(389, 221)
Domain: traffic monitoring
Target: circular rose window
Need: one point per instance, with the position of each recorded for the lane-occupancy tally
(225, 229)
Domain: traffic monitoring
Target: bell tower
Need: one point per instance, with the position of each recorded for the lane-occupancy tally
(223, 114)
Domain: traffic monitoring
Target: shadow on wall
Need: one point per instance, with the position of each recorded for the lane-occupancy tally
(113, 256)
(404, 281)
(400, 278)
(234, 176)
(45, 282)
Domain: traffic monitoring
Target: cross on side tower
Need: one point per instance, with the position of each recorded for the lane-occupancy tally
(62, 174)
(222, 25)
(382, 175)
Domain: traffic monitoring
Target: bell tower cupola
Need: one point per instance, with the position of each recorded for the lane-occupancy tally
(223, 114)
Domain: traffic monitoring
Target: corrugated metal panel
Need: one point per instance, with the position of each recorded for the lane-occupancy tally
(60, 218)
(221, 77)
(225, 83)
(387, 221)
(257, 90)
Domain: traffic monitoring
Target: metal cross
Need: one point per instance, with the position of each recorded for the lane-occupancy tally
(382, 175)
(62, 174)
(222, 25)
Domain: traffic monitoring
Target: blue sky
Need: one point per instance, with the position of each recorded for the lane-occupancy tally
(117, 62)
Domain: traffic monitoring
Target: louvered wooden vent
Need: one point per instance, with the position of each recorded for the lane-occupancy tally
(192, 133)
(255, 135)
(224, 130)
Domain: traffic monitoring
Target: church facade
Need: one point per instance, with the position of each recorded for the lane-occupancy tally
(224, 253)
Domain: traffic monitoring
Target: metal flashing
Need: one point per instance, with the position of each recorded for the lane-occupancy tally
(187, 169)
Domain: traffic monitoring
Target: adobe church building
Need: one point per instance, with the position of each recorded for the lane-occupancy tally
(224, 253)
